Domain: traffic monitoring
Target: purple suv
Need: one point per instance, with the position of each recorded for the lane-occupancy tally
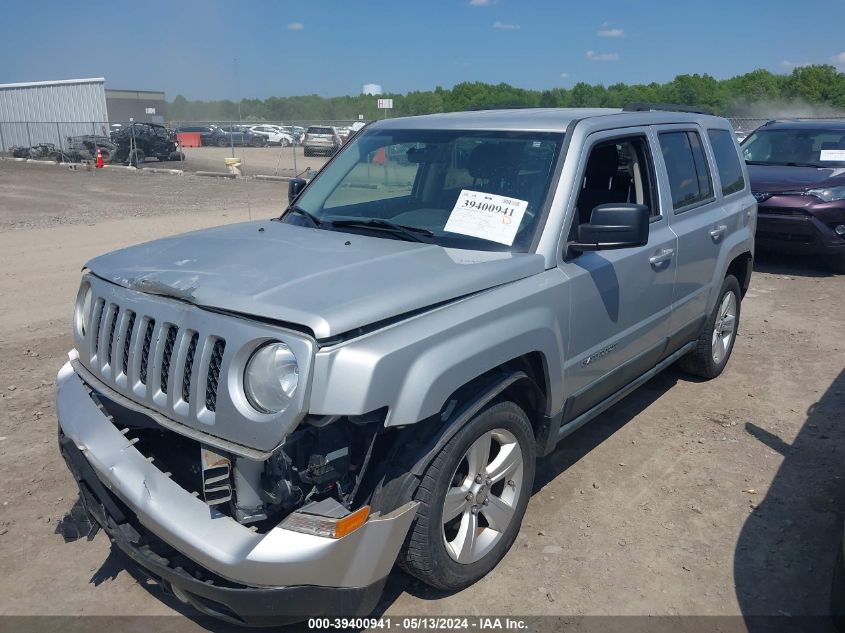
(797, 171)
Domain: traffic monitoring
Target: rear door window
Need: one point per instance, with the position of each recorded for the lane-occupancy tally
(727, 161)
(686, 166)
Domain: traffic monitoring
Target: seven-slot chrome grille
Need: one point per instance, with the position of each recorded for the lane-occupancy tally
(135, 342)
(177, 359)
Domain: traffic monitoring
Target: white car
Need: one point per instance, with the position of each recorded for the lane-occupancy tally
(274, 135)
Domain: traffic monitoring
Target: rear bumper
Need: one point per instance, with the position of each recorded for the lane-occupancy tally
(281, 575)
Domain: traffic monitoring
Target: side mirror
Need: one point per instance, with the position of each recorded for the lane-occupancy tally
(614, 226)
(295, 187)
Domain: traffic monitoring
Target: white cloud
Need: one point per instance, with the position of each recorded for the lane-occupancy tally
(838, 60)
(505, 26)
(602, 57)
(564, 75)
(296, 26)
(611, 33)
(480, 3)
(788, 65)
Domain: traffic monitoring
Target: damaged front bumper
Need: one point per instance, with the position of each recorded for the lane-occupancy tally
(255, 578)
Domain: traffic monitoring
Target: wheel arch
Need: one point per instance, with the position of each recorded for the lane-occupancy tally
(741, 267)
(407, 451)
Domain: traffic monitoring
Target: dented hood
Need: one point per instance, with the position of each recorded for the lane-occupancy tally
(328, 281)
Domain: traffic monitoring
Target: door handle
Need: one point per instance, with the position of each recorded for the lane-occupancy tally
(663, 256)
(718, 233)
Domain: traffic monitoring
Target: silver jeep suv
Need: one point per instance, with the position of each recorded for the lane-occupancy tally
(266, 416)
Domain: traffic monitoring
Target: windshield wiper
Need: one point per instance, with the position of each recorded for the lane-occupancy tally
(409, 233)
(314, 220)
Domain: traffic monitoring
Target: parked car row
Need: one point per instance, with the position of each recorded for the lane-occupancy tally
(263, 134)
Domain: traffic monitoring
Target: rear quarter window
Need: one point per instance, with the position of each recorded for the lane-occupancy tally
(727, 161)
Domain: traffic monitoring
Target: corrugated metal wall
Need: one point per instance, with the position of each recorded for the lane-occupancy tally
(29, 112)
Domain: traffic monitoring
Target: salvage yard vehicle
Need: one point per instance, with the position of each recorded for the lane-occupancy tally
(206, 132)
(321, 139)
(273, 134)
(266, 416)
(241, 136)
(138, 141)
(797, 171)
(85, 146)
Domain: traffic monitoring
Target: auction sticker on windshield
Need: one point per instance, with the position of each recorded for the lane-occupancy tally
(486, 216)
(833, 154)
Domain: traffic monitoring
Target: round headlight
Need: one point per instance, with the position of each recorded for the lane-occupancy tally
(83, 308)
(271, 377)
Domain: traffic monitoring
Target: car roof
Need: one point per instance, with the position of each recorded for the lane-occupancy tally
(800, 124)
(539, 119)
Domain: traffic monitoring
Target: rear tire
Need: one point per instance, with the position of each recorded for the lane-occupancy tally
(718, 334)
(483, 477)
(223, 142)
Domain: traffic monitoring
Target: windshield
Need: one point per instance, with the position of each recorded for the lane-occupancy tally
(457, 188)
(797, 146)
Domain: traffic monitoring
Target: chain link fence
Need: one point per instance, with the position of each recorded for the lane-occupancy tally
(235, 133)
(57, 133)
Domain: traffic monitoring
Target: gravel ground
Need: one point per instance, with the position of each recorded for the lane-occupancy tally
(38, 196)
(686, 498)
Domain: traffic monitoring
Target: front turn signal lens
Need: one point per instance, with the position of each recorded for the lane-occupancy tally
(326, 526)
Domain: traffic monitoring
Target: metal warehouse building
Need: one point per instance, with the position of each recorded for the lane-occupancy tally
(140, 105)
(50, 111)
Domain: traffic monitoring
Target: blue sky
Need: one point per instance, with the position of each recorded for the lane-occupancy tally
(332, 47)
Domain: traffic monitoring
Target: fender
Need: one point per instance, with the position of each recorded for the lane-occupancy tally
(402, 476)
(413, 368)
(458, 413)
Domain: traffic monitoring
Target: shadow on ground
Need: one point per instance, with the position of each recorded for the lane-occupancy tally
(785, 554)
(792, 265)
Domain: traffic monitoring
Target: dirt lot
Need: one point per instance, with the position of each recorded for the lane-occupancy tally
(687, 498)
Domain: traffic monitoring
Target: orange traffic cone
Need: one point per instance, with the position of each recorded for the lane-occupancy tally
(99, 159)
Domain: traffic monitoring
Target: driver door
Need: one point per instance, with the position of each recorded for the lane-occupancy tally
(621, 300)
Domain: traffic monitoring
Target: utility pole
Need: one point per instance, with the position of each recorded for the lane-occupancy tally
(237, 89)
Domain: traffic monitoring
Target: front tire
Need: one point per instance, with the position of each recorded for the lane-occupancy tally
(472, 499)
(718, 335)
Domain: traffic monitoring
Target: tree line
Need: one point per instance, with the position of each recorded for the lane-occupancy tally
(817, 90)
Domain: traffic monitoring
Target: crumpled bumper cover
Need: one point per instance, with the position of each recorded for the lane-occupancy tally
(281, 571)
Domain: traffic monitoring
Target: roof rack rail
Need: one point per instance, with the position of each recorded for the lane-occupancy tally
(481, 108)
(642, 106)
